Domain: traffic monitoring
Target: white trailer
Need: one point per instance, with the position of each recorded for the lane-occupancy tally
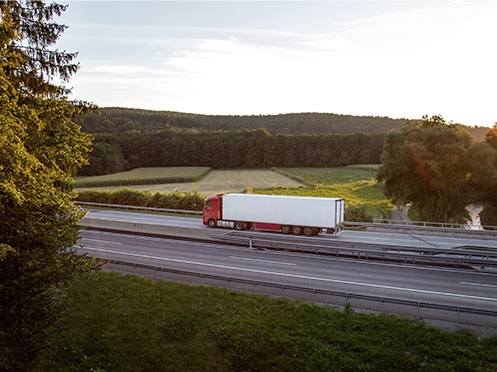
(297, 214)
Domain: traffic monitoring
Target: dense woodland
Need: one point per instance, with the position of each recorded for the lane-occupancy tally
(114, 120)
(230, 149)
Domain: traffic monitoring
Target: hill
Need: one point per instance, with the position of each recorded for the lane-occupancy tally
(114, 119)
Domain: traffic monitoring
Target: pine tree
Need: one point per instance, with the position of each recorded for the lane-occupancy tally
(40, 150)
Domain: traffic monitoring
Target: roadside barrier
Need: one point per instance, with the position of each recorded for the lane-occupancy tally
(416, 310)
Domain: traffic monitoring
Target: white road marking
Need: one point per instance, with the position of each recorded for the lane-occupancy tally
(258, 260)
(300, 255)
(101, 241)
(293, 275)
(479, 284)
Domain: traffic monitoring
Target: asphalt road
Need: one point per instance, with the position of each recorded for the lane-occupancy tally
(412, 240)
(408, 282)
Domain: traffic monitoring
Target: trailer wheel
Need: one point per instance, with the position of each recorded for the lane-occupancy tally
(211, 223)
(239, 226)
(297, 230)
(308, 231)
(285, 229)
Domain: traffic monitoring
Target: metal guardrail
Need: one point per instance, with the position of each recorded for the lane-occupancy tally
(418, 309)
(442, 225)
(467, 258)
(375, 223)
(138, 208)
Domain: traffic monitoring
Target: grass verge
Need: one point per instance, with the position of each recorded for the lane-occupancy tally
(125, 323)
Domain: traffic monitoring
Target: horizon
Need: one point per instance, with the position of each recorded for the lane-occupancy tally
(381, 59)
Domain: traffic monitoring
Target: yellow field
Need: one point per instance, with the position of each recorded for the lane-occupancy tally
(220, 181)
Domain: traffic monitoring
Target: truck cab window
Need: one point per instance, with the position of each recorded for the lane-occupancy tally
(208, 205)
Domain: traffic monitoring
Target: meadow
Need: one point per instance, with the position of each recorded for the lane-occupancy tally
(221, 181)
(125, 323)
(144, 176)
(355, 183)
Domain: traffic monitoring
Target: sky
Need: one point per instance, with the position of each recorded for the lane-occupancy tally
(401, 59)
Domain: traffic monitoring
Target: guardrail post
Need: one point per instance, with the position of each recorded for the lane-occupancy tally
(155, 270)
(201, 277)
(458, 317)
(161, 272)
(381, 305)
(253, 288)
(134, 268)
(114, 265)
(283, 291)
(250, 243)
(228, 283)
(419, 311)
(346, 298)
(313, 295)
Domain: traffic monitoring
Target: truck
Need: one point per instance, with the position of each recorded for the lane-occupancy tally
(288, 214)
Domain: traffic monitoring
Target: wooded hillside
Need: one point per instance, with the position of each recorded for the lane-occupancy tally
(113, 119)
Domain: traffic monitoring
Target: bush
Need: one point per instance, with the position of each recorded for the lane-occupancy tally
(357, 213)
(489, 215)
(188, 201)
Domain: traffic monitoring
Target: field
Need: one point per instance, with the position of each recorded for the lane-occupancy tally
(144, 176)
(219, 181)
(124, 323)
(356, 184)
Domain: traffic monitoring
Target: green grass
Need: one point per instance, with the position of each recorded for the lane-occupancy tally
(124, 323)
(144, 176)
(222, 181)
(355, 183)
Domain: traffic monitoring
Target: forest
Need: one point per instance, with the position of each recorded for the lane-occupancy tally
(115, 152)
(114, 119)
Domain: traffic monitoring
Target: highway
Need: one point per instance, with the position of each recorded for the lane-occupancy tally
(408, 282)
(410, 240)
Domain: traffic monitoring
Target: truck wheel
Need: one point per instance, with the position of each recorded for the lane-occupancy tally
(297, 230)
(308, 231)
(211, 223)
(285, 229)
(239, 226)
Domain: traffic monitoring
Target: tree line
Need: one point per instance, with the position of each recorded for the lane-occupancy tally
(115, 119)
(229, 149)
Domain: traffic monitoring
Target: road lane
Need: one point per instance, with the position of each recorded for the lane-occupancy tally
(355, 276)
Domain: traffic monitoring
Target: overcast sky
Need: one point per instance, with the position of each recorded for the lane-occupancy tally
(400, 59)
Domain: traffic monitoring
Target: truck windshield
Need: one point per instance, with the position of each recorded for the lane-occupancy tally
(208, 205)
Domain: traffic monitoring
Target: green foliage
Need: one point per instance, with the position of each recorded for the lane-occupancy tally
(356, 184)
(145, 176)
(357, 213)
(124, 323)
(40, 150)
(429, 165)
(238, 149)
(115, 119)
(187, 201)
(488, 216)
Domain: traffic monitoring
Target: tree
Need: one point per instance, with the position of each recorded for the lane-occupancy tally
(427, 164)
(488, 180)
(40, 150)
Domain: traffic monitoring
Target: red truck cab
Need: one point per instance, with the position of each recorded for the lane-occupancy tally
(212, 210)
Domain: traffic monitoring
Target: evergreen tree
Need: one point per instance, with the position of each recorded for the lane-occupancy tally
(40, 149)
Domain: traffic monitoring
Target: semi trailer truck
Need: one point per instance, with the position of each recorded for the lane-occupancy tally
(287, 214)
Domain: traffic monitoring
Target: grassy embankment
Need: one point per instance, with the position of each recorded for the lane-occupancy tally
(355, 183)
(124, 323)
(144, 176)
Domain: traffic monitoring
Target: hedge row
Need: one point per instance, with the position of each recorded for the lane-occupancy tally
(175, 200)
(131, 182)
